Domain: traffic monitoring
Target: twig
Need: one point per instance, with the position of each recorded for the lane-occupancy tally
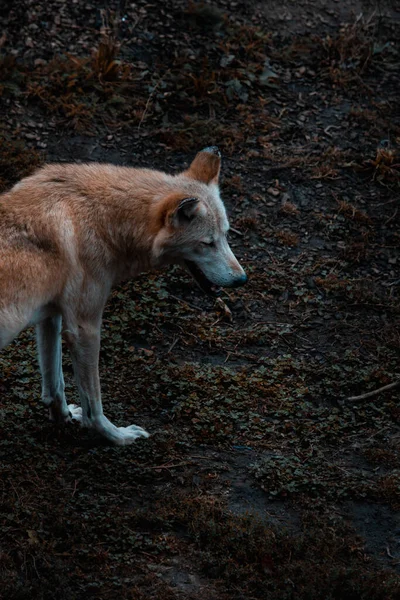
(392, 217)
(173, 344)
(326, 130)
(170, 465)
(390, 555)
(236, 231)
(385, 388)
(298, 260)
(75, 487)
(186, 302)
(149, 99)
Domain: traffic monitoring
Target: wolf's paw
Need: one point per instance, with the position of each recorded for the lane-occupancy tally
(120, 436)
(64, 414)
(75, 413)
(130, 434)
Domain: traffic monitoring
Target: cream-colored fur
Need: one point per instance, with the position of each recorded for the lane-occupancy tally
(69, 232)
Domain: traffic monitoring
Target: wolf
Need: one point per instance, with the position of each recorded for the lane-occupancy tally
(69, 232)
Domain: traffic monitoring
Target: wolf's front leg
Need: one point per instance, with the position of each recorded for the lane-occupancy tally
(83, 340)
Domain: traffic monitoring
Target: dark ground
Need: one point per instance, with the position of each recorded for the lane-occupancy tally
(261, 480)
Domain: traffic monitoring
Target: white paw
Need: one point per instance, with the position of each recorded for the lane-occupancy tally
(61, 413)
(120, 436)
(123, 436)
(133, 430)
(75, 412)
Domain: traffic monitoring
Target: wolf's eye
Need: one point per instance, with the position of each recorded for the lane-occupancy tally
(209, 244)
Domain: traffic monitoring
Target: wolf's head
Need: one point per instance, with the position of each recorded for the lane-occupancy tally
(195, 226)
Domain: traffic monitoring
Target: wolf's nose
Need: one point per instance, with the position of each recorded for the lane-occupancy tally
(240, 280)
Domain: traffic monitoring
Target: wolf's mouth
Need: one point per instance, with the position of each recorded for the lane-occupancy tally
(201, 280)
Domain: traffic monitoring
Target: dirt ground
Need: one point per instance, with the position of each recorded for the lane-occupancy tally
(261, 479)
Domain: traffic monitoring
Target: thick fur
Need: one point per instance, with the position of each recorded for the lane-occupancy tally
(69, 232)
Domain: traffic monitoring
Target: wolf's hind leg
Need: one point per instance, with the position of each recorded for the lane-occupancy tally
(48, 334)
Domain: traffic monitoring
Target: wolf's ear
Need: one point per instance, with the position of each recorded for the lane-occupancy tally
(182, 211)
(206, 165)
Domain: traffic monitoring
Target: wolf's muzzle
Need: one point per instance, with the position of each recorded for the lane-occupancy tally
(239, 281)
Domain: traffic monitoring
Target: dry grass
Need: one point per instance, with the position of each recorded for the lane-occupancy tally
(349, 53)
(385, 167)
(353, 213)
(105, 64)
(287, 238)
(288, 208)
(79, 89)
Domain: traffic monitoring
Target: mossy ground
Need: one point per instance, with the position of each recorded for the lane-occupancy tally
(260, 479)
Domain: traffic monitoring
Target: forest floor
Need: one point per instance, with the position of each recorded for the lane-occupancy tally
(261, 479)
